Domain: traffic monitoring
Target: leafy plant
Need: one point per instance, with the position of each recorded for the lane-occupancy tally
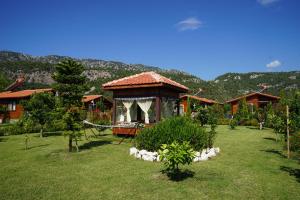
(213, 116)
(179, 128)
(175, 154)
(243, 110)
(233, 123)
(202, 115)
(39, 109)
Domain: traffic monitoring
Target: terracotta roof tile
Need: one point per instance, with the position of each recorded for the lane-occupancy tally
(88, 98)
(201, 99)
(145, 78)
(22, 93)
(251, 94)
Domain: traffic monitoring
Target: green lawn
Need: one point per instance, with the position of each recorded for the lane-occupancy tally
(250, 166)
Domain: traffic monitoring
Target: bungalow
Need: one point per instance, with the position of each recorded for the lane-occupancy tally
(12, 101)
(197, 100)
(256, 99)
(146, 98)
(90, 102)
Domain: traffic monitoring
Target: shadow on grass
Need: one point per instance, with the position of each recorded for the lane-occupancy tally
(37, 146)
(274, 151)
(3, 139)
(292, 172)
(93, 144)
(269, 138)
(252, 127)
(179, 175)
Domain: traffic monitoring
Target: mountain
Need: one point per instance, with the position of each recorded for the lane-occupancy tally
(38, 69)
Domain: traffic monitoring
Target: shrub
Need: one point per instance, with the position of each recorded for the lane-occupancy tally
(223, 121)
(233, 123)
(175, 154)
(202, 115)
(249, 122)
(295, 142)
(178, 129)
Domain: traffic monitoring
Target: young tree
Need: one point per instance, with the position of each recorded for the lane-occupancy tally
(39, 108)
(202, 115)
(260, 115)
(100, 105)
(71, 85)
(213, 114)
(243, 111)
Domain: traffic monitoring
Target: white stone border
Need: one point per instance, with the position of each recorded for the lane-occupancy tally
(154, 157)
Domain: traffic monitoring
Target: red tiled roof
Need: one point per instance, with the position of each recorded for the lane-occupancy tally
(201, 99)
(145, 79)
(88, 98)
(251, 94)
(22, 93)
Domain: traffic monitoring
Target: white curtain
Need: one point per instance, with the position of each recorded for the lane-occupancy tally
(127, 105)
(145, 106)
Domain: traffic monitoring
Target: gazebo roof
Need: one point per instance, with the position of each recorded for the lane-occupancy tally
(142, 80)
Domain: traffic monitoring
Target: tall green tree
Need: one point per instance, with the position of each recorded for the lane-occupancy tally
(243, 110)
(71, 85)
(39, 108)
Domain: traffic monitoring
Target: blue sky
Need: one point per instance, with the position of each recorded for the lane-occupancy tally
(204, 37)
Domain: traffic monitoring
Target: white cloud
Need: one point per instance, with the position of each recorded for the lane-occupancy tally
(273, 64)
(191, 23)
(266, 2)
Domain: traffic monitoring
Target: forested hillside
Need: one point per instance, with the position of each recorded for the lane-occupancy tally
(38, 70)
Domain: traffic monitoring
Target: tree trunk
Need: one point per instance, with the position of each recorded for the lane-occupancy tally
(41, 132)
(76, 144)
(70, 143)
(26, 141)
(260, 126)
(287, 131)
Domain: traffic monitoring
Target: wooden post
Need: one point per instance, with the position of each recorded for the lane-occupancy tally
(178, 107)
(157, 109)
(114, 111)
(287, 131)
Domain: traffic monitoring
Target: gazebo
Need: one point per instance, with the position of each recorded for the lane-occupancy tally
(145, 98)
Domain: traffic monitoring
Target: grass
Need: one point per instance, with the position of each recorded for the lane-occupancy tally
(251, 165)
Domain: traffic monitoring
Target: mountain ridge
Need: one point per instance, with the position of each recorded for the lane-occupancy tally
(38, 70)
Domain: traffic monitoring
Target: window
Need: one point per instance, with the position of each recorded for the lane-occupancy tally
(11, 106)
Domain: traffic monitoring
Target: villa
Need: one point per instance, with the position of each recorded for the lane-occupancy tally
(185, 99)
(257, 99)
(12, 101)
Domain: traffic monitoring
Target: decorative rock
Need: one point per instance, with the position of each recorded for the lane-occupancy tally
(138, 155)
(143, 152)
(153, 156)
(158, 158)
(211, 153)
(203, 156)
(133, 151)
(197, 154)
(196, 159)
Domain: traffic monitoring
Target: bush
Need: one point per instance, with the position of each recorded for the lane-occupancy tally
(249, 122)
(175, 154)
(223, 121)
(178, 129)
(12, 129)
(295, 142)
(202, 115)
(233, 123)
